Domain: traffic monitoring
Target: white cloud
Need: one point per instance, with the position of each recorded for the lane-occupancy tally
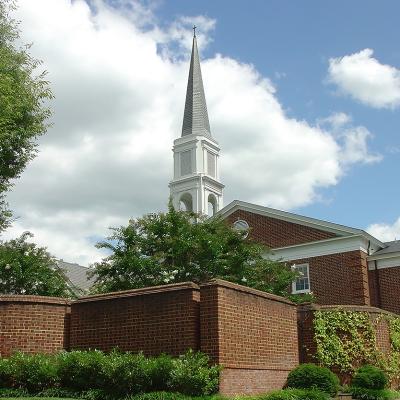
(363, 77)
(118, 107)
(353, 139)
(385, 232)
(336, 120)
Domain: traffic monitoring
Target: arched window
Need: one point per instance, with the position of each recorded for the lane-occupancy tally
(212, 205)
(186, 202)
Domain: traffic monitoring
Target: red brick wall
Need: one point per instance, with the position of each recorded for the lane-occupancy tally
(254, 336)
(388, 297)
(307, 345)
(275, 233)
(163, 319)
(33, 324)
(339, 278)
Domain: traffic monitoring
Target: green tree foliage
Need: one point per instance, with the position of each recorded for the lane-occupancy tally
(24, 93)
(178, 246)
(28, 269)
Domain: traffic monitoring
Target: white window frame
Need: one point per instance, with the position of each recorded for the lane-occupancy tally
(295, 267)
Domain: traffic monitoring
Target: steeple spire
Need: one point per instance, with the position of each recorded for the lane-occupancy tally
(195, 118)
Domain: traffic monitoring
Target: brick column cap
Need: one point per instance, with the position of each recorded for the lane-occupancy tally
(345, 307)
(21, 298)
(246, 289)
(139, 292)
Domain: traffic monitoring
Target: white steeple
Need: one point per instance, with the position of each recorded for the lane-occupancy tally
(196, 186)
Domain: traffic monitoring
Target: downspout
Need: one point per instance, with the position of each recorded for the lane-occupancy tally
(377, 282)
(378, 285)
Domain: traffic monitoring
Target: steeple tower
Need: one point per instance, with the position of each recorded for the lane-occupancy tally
(195, 117)
(196, 186)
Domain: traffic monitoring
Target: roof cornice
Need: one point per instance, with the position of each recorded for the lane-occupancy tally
(338, 229)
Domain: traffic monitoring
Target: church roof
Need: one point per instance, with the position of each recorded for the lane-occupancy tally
(77, 277)
(341, 230)
(195, 118)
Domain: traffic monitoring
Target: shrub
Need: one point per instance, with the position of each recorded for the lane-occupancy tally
(159, 396)
(125, 373)
(33, 372)
(296, 394)
(311, 376)
(81, 370)
(369, 377)
(192, 375)
(159, 370)
(361, 393)
(93, 375)
(11, 393)
(5, 373)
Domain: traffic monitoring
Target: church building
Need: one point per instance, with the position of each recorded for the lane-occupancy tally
(337, 263)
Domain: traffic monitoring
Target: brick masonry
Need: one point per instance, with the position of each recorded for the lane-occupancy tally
(251, 333)
(254, 336)
(33, 324)
(163, 319)
(275, 233)
(339, 278)
(307, 344)
(384, 286)
(257, 337)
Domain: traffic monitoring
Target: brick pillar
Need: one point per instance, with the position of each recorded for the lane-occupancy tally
(209, 332)
(359, 278)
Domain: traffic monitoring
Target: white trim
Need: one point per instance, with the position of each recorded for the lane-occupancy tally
(294, 291)
(382, 263)
(320, 248)
(326, 226)
(384, 256)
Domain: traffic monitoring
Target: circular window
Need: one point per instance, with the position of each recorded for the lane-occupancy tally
(242, 226)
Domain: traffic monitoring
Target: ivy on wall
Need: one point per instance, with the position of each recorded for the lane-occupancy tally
(348, 339)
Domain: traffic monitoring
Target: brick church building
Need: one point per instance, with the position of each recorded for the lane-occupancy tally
(338, 264)
(257, 337)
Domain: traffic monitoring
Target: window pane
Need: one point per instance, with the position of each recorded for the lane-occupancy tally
(303, 281)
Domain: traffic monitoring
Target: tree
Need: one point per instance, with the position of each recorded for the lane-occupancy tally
(28, 269)
(178, 246)
(24, 93)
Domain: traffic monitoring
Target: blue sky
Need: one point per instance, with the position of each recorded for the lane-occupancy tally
(296, 39)
(303, 97)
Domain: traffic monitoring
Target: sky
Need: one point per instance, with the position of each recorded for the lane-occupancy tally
(303, 98)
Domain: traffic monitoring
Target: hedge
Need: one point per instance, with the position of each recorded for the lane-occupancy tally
(112, 375)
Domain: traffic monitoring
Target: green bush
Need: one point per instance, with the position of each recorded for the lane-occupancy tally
(162, 395)
(10, 393)
(192, 375)
(159, 396)
(125, 373)
(159, 370)
(5, 373)
(311, 376)
(93, 375)
(81, 370)
(33, 372)
(360, 393)
(369, 377)
(295, 394)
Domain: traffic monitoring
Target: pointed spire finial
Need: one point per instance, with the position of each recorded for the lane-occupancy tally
(195, 118)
